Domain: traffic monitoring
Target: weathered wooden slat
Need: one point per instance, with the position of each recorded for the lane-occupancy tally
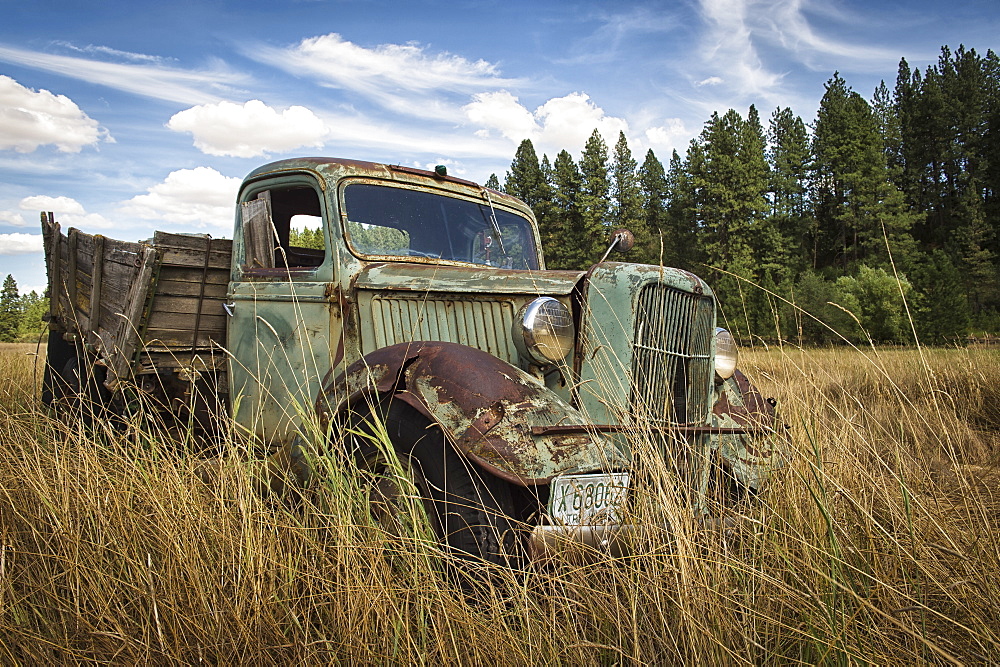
(190, 241)
(51, 239)
(74, 237)
(258, 232)
(184, 289)
(131, 323)
(195, 258)
(169, 287)
(181, 338)
(96, 285)
(187, 305)
(193, 275)
(84, 251)
(159, 319)
(166, 359)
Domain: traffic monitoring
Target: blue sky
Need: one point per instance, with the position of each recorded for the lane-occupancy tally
(126, 117)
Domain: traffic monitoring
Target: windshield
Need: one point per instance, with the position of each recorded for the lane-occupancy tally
(383, 220)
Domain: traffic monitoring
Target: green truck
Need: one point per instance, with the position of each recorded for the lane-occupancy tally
(511, 396)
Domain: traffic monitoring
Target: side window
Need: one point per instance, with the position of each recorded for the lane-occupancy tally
(282, 230)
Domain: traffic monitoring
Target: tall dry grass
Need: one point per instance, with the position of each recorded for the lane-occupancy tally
(878, 543)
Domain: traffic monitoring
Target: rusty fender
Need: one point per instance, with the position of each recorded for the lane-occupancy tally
(754, 455)
(485, 406)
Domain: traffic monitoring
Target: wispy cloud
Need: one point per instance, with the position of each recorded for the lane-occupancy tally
(603, 45)
(749, 45)
(729, 51)
(786, 22)
(148, 80)
(404, 78)
(113, 54)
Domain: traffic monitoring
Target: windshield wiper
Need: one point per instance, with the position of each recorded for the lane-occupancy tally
(496, 225)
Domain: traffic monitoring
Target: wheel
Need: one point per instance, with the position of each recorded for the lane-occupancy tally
(78, 392)
(469, 510)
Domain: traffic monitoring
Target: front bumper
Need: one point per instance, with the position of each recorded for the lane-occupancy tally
(546, 541)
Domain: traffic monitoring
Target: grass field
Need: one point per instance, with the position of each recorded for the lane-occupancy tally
(879, 543)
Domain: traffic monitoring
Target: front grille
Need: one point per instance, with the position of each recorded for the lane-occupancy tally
(671, 362)
(485, 325)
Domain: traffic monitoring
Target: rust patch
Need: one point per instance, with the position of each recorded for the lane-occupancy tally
(485, 406)
(755, 412)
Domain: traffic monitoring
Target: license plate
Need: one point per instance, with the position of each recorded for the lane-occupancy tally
(585, 499)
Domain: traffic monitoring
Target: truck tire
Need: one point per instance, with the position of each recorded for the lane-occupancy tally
(78, 392)
(469, 510)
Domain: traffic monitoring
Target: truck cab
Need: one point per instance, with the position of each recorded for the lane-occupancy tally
(502, 386)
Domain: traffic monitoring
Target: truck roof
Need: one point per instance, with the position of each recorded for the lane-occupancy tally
(333, 168)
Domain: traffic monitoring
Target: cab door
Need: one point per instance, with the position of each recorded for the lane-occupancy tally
(280, 337)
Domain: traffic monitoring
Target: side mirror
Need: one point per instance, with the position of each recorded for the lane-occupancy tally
(622, 240)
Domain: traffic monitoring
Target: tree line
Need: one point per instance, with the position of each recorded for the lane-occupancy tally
(20, 316)
(877, 220)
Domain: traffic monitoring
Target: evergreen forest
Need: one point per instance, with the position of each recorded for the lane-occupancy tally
(21, 315)
(878, 220)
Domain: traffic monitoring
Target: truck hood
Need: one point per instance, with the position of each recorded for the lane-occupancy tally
(437, 278)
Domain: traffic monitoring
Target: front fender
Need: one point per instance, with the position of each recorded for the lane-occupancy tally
(754, 456)
(485, 406)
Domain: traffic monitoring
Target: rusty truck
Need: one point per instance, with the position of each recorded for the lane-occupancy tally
(510, 395)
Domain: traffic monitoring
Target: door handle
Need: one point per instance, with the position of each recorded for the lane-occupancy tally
(229, 307)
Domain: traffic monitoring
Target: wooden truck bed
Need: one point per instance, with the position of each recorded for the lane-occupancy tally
(140, 308)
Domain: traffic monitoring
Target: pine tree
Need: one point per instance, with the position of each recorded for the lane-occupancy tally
(683, 226)
(942, 312)
(493, 183)
(571, 249)
(657, 247)
(626, 212)
(789, 159)
(10, 310)
(595, 197)
(887, 119)
(32, 307)
(858, 210)
(525, 180)
(730, 184)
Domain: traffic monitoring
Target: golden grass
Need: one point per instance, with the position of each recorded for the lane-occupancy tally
(878, 543)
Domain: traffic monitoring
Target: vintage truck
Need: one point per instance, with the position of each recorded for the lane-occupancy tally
(511, 395)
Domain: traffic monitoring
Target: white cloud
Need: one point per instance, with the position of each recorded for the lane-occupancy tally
(29, 119)
(710, 81)
(201, 197)
(20, 244)
(54, 204)
(671, 135)
(570, 120)
(12, 218)
(154, 81)
(249, 130)
(68, 211)
(501, 111)
(561, 122)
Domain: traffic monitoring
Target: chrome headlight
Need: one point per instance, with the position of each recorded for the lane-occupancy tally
(726, 354)
(547, 330)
